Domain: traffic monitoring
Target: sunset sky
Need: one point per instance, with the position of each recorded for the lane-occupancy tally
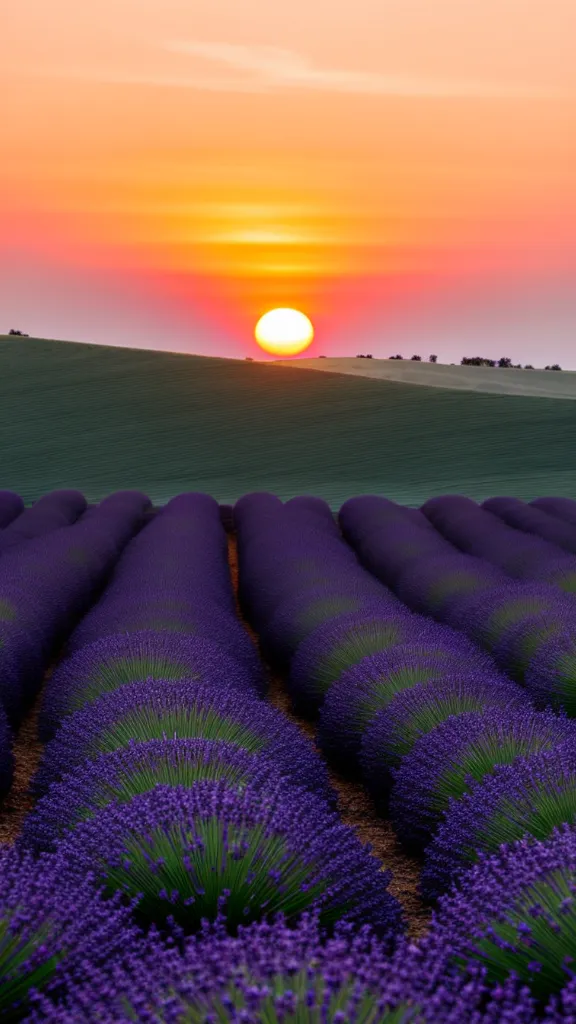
(402, 171)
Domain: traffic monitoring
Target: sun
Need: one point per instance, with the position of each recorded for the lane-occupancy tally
(284, 332)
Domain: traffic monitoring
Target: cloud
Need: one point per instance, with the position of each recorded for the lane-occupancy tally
(266, 69)
(275, 68)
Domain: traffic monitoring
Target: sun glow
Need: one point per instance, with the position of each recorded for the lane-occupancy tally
(284, 332)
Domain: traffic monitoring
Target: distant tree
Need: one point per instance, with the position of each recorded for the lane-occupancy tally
(432, 359)
(21, 333)
(528, 366)
(321, 357)
(249, 359)
(416, 359)
(554, 366)
(368, 355)
(396, 357)
(360, 355)
(504, 362)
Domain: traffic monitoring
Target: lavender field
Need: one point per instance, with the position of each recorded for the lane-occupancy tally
(267, 763)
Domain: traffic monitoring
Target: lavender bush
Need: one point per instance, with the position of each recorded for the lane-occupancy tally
(443, 763)
(139, 712)
(528, 798)
(190, 854)
(117, 660)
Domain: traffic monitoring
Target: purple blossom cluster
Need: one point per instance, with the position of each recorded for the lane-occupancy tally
(529, 797)
(52, 926)
(123, 658)
(47, 583)
(249, 851)
(511, 915)
(270, 971)
(142, 711)
(464, 748)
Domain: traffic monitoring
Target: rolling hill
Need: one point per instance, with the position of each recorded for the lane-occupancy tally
(101, 418)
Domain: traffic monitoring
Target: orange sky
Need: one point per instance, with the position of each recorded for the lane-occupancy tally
(402, 170)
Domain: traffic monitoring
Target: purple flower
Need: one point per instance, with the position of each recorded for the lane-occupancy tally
(334, 648)
(512, 913)
(155, 710)
(353, 701)
(51, 926)
(272, 972)
(530, 797)
(551, 675)
(117, 660)
(247, 852)
(478, 532)
(307, 609)
(443, 763)
(137, 768)
(415, 712)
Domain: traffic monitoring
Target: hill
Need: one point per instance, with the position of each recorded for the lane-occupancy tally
(102, 418)
(492, 380)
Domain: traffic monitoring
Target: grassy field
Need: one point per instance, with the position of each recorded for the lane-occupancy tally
(101, 419)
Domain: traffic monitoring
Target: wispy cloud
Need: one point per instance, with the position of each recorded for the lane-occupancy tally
(275, 68)
(261, 69)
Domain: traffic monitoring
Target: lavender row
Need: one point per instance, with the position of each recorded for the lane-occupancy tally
(431, 982)
(496, 953)
(534, 519)
(526, 627)
(46, 585)
(388, 713)
(483, 533)
(185, 792)
(51, 512)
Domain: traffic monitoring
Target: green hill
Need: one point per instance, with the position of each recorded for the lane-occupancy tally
(101, 418)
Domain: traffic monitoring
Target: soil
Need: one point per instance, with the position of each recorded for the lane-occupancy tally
(27, 753)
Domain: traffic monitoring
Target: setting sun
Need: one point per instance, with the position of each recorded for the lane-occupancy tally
(284, 332)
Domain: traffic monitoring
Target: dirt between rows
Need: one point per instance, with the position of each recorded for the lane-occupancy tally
(354, 805)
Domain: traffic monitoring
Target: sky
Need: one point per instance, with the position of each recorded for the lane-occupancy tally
(402, 171)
